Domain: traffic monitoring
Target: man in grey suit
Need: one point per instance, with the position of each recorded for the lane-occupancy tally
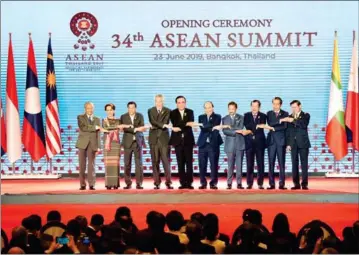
(132, 142)
(159, 117)
(234, 145)
(88, 143)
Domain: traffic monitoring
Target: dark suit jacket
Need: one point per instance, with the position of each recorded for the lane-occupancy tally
(166, 243)
(88, 135)
(186, 131)
(200, 248)
(129, 133)
(297, 131)
(278, 136)
(233, 141)
(259, 137)
(207, 132)
(157, 132)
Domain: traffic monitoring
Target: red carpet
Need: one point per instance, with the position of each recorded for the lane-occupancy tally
(336, 215)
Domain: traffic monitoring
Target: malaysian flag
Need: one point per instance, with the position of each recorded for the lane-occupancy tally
(53, 136)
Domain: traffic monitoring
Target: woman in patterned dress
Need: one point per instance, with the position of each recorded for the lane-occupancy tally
(112, 147)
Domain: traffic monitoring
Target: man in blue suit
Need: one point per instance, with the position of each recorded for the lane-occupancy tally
(276, 141)
(209, 142)
(234, 145)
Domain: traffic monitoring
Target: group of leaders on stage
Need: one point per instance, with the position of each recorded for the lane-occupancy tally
(243, 135)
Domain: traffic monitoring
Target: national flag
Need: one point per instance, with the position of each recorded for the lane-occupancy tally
(14, 149)
(33, 136)
(3, 130)
(352, 108)
(53, 136)
(335, 136)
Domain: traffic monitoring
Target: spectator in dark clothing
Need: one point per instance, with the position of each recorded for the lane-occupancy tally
(194, 234)
(310, 239)
(33, 224)
(111, 240)
(95, 226)
(19, 239)
(73, 232)
(129, 229)
(145, 243)
(211, 233)
(246, 239)
(175, 222)
(4, 242)
(164, 242)
(282, 240)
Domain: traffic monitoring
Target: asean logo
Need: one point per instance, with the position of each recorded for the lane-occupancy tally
(84, 25)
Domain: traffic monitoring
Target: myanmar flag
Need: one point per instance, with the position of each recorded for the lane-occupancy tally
(335, 136)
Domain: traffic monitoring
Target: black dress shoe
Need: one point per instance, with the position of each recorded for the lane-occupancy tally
(229, 186)
(169, 186)
(305, 187)
(82, 188)
(190, 187)
(260, 187)
(181, 187)
(139, 187)
(282, 188)
(202, 187)
(239, 187)
(295, 188)
(249, 187)
(157, 187)
(92, 188)
(127, 187)
(271, 187)
(107, 187)
(213, 187)
(116, 187)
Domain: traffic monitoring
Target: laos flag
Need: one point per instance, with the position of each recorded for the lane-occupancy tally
(33, 136)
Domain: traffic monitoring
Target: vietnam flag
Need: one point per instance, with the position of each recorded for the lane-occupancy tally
(352, 108)
(33, 136)
(335, 136)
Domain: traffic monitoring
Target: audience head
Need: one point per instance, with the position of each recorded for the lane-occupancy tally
(329, 251)
(194, 231)
(255, 217)
(19, 237)
(123, 216)
(245, 215)
(356, 229)
(156, 221)
(97, 221)
(174, 220)
(198, 216)
(16, 250)
(210, 227)
(280, 225)
(54, 216)
(83, 222)
(73, 228)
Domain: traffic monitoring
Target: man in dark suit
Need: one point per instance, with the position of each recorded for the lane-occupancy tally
(255, 142)
(234, 145)
(88, 143)
(182, 139)
(159, 117)
(209, 142)
(276, 142)
(298, 142)
(132, 142)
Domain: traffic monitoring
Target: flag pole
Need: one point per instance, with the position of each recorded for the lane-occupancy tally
(31, 166)
(13, 168)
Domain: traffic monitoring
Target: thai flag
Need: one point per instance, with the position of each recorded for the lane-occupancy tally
(33, 136)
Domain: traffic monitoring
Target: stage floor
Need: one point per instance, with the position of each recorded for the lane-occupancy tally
(67, 191)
